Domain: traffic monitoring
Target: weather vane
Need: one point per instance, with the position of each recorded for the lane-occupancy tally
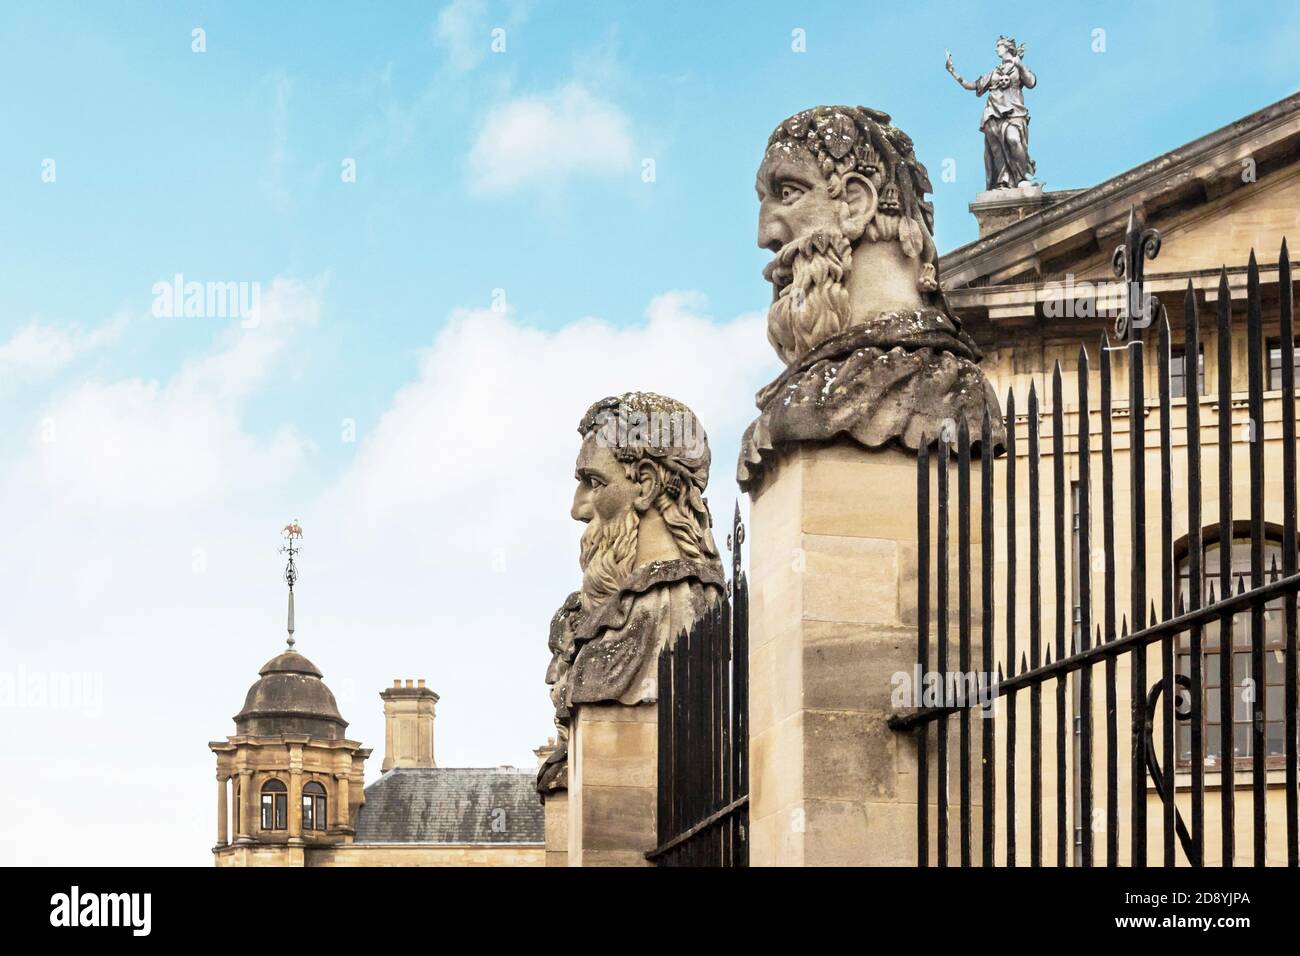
(292, 533)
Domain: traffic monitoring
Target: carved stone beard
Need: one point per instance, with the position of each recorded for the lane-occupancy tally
(813, 305)
(607, 557)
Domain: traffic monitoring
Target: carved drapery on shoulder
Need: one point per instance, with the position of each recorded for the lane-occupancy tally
(618, 649)
(894, 381)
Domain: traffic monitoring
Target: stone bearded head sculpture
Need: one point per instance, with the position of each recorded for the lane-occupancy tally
(650, 565)
(871, 349)
(841, 205)
(641, 472)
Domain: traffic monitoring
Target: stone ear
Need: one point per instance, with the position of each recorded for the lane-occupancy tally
(648, 480)
(859, 201)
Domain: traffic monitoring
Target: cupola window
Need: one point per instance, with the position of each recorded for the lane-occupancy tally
(275, 806)
(313, 806)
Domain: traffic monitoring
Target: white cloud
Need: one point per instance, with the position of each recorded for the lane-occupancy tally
(492, 391)
(150, 445)
(465, 33)
(462, 32)
(543, 140)
(140, 554)
(141, 550)
(38, 349)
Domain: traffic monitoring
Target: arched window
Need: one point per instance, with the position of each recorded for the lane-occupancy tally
(1274, 666)
(313, 806)
(275, 805)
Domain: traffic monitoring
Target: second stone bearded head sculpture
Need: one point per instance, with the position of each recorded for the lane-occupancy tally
(649, 562)
(644, 460)
(872, 351)
(650, 565)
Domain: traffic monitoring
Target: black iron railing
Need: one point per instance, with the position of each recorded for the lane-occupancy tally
(703, 794)
(1182, 617)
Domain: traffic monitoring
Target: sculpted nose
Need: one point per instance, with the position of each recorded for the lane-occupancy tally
(771, 234)
(581, 510)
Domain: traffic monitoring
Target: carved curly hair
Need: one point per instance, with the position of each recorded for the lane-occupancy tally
(645, 426)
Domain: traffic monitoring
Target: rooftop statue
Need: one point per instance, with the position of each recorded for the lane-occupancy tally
(650, 566)
(1005, 123)
(872, 351)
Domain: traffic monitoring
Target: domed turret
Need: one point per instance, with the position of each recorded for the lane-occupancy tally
(290, 698)
(294, 779)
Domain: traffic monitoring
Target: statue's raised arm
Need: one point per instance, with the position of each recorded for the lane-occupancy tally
(966, 84)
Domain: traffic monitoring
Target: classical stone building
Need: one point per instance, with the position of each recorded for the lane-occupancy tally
(1038, 284)
(291, 787)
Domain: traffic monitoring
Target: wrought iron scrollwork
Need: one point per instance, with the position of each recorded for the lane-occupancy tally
(1164, 781)
(1139, 244)
(734, 541)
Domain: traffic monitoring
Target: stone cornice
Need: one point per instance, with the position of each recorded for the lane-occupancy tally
(284, 740)
(1021, 297)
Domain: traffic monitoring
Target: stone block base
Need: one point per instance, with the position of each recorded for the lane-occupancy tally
(613, 776)
(833, 626)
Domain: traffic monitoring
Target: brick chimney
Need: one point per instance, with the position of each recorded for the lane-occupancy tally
(408, 725)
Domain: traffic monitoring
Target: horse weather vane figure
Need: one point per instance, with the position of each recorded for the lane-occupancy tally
(1005, 123)
(292, 533)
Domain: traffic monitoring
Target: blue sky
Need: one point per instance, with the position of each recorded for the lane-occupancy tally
(225, 165)
(142, 537)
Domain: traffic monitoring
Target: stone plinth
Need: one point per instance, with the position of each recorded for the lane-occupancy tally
(613, 774)
(996, 209)
(557, 828)
(833, 562)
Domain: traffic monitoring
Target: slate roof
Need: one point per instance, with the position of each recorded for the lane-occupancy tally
(452, 805)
